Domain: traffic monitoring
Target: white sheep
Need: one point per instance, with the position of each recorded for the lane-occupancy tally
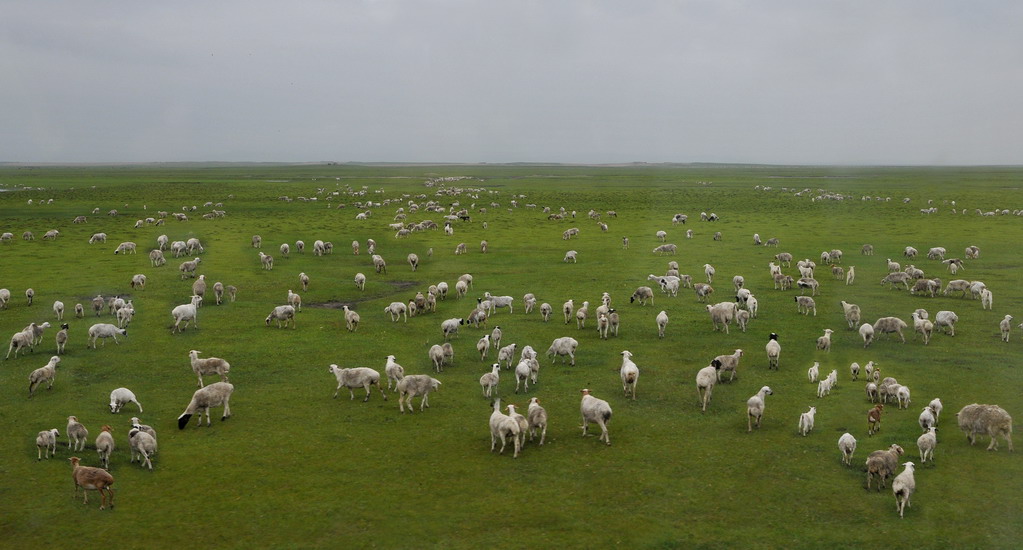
(630, 375)
(360, 281)
(413, 385)
(804, 304)
(722, 314)
(450, 327)
(867, 333)
(77, 435)
(213, 395)
(187, 313)
(120, 397)
(127, 247)
(394, 372)
(188, 268)
(208, 365)
(935, 406)
(503, 426)
(284, 313)
(295, 300)
(461, 288)
(61, 337)
(990, 420)
(45, 373)
(143, 446)
(886, 325)
(105, 445)
(483, 346)
(852, 314)
(926, 443)
(706, 379)
(847, 446)
(506, 354)
(351, 318)
(564, 346)
(806, 421)
(946, 319)
(536, 416)
(104, 331)
(379, 264)
(571, 256)
(58, 310)
(1005, 326)
(882, 463)
(595, 410)
(156, 257)
(709, 271)
(662, 323)
(19, 341)
(755, 407)
(903, 487)
(357, 377)
(813, 373)
(824, 342)
(773, 349)
(47, 441)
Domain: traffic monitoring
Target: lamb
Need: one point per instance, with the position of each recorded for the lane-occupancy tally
(570, 256)
(824, 387)
(850, 275)
(824, 342)
(395, 372)
(77, 435)
(722, 313)
(47, 441)
(946, 319)
(847, 445)
(536, 416)
(813, 373)
(595, 410)
(266, 260)
(477, 317)
(5, 296)
(902, 395)
(924, 326)
(142, 445)
(232, 291)
(903, 486)
(357, 377)
(755, 408)
(886, 325)
(58, 309)
(502, 427)
(295, 300)
(706, 378)
(413, 385)
(43, 374)
(874, 419)
(773, 348)
(284, 313)
(187, 313)
(379, 264)
(742, 318)
(630, 375)
(257, 241)
(662, 323)
(986, 299)
(92, 479)
(351, 318)
(986, 419)
(209, 365)
(806, 421)
(1005, 326)
(104, 331)
(804, 304)
(882, 464)
(564, 346)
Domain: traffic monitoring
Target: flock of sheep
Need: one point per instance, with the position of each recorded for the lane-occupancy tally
(740, 309)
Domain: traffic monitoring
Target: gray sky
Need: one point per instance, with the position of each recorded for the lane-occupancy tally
(785, 81)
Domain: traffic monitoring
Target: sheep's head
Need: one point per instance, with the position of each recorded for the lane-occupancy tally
(716, 364)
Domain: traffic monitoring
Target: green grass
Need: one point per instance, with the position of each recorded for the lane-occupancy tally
(294, 468)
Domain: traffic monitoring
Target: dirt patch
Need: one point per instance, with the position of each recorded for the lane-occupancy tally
(402, 285)
(330, 305)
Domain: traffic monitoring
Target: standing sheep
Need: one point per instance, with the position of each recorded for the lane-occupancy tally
(595, 410)
(43, 374)
(564, 346)
(213, 395)
(536, 416)
(490, 380)
(662, 323)
(903, 487)
(926, 444)
(706, 378)
(92, 479)
(991, 420)
(773, 352)
(413, 385)
(105, 445)
(358, 377)
(806, 421)
(847, 445)
(77, 435)
(394, 372)
(882, 464)
(755, 408)
(47, 441)
(630, 375)
(1005, 326)
(209, 365)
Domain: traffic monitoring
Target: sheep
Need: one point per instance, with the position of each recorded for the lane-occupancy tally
(986, 299)
(706, 378)
(187, 313)
(972, 252)
(127, 247)
(58, 310)
(461, 288)
(567, 308)
(722, 313)
(92, 479)
(717, 236)
(570, 256)
(702, 290)
(806, 421)
(946, 319)
(105, 445)
(773, 348)
(1005, 326)
(47, 441)
(804, 304)
(61, 338)
(156, 258)
(986, 419)
(709, 271)
(529, 301)
(29, 295)
(413, 385)
(104, 331)
(784, 259)
(21, 340)
(232, 291)
(850, 275)
(483, 346)
(477, 317)
(294, 300)
(847, 446)
(357, 377)
(935, 406)
(867, 333)
(536, 416)
(957, 285)
(142, 445)
(782, 282)
(450, 327)
(886, 325)
(927, 442)
(923, 326)
(893, 266)
(194, 245)
(77, 435)
(755, 408)
(728, 363)
(360, 281)
(630, 375)
(257, 241)
(394, 372)
(936, 253)
(896, 279)
(902, 395)
(438, 357)
(824, 387)
(824, 342)
(662, 236)
(284, 313)
(499, 302)
(5, 296)
(613, 321)
(595, 410)
(213, 395)
(808, 283)
(43, 374)
(502, 427)
(209, 365)
(563, 346)
(379, 264)
(506, 354)
(882, 464)
(662, 323)
(852, 314)
(813, 373)
(665, 249)
(98, 238)
(580, 315)
(909, 252)
(874, 419)
(903, 486)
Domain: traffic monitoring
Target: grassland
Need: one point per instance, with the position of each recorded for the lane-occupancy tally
(294, 468)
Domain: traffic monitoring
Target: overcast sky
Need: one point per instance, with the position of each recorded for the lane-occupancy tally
(784, 81)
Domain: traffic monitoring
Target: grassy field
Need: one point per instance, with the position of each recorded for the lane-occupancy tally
(295, 468)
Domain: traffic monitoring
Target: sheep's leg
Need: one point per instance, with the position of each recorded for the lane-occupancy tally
(425, 402)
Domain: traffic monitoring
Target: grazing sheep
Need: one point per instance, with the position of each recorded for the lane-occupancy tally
(257, 241)
(564, 346)
(360, 281)
(142, 445)
(806, 421)
(847, 445)
(804, 304)
(595, 410)
(120, 397)
(395, 372)
(77, 435)
(709, 271)
(773, 348)
(946, 319)
(46, 442)
(854, 369)
(867, 333)
(536, 416)
(662, 323)
(29, 295)
(413, 261)
(882, 464)
(630, 375)
(156, 257)
(284, 313)
(186, 313)
(357, 377)
(706, 378)
(665, 249)
(213, 395)
(903, 486)
(886, 325)
(824, 342)
(852, 314)
(127, 247)
(991, 420)
(755, 408)
(104, 331)
(570, 256)
(92, 479)
(874, 419)
(567, 308)
(43, 374)
(413, 385)
(379, 264)
(936, 253)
